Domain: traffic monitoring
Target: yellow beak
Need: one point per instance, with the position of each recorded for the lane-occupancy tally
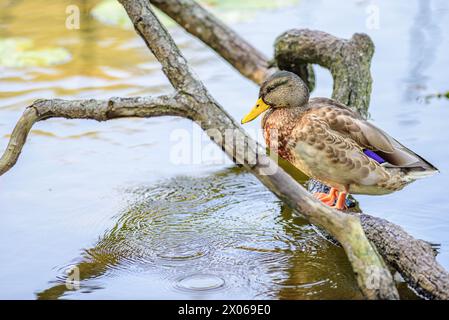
(256, 111)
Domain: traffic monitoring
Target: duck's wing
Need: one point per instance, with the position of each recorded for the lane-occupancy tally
(348, 123)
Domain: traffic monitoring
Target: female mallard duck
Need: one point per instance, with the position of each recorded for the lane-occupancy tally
(331, 143)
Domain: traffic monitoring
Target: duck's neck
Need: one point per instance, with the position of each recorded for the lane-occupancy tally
(281, 117)
(277, 125)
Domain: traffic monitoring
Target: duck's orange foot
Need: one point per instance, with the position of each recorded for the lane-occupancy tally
(320, 195)
(341, 202)
(327, 199)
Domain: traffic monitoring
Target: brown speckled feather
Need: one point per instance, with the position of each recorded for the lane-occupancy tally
(326, 140)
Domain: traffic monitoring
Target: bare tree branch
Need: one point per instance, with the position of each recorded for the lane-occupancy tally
(194, 102)
(347, 229)
(199, 22)
(348, 61)
(414, 259)
(99, 110)
(166, 52)
(244, 57)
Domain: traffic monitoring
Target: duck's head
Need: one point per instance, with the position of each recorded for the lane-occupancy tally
(282, 89)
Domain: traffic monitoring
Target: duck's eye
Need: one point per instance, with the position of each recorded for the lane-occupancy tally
(275, 85)
(269, 89)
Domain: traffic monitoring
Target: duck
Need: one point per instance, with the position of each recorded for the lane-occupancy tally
(332, 143)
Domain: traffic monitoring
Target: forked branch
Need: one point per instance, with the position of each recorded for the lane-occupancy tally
(194, 102)
(100, 110)
(349, 63)
(199, 22)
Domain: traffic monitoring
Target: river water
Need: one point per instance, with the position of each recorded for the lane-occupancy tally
(115, 203)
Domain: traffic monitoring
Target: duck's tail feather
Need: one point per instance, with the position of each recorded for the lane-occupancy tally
(416, 173)
(412, 165)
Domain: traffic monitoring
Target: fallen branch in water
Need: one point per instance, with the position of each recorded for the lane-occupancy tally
(414, 259)
(193, 101)
(246, 59)
(100, 110)
(349, 63)
(295, 50)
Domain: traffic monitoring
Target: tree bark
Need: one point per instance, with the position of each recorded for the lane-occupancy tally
(374, 279)
(192, 100)
(250, 62)
(414, 259)
(246, 59)
(349, 63)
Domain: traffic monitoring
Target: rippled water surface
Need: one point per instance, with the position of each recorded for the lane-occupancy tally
(112, 200)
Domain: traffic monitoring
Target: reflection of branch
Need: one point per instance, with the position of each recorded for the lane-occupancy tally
(425, 38)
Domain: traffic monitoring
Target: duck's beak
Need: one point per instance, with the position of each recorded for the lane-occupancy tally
(256, 111)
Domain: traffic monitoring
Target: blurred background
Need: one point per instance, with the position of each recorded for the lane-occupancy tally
(109, 201)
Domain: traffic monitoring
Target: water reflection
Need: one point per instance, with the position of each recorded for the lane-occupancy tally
(100, 62)
(223, 234)
(424, 41)
(216, 236)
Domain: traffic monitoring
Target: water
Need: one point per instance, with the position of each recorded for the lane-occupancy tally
(109, 199)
